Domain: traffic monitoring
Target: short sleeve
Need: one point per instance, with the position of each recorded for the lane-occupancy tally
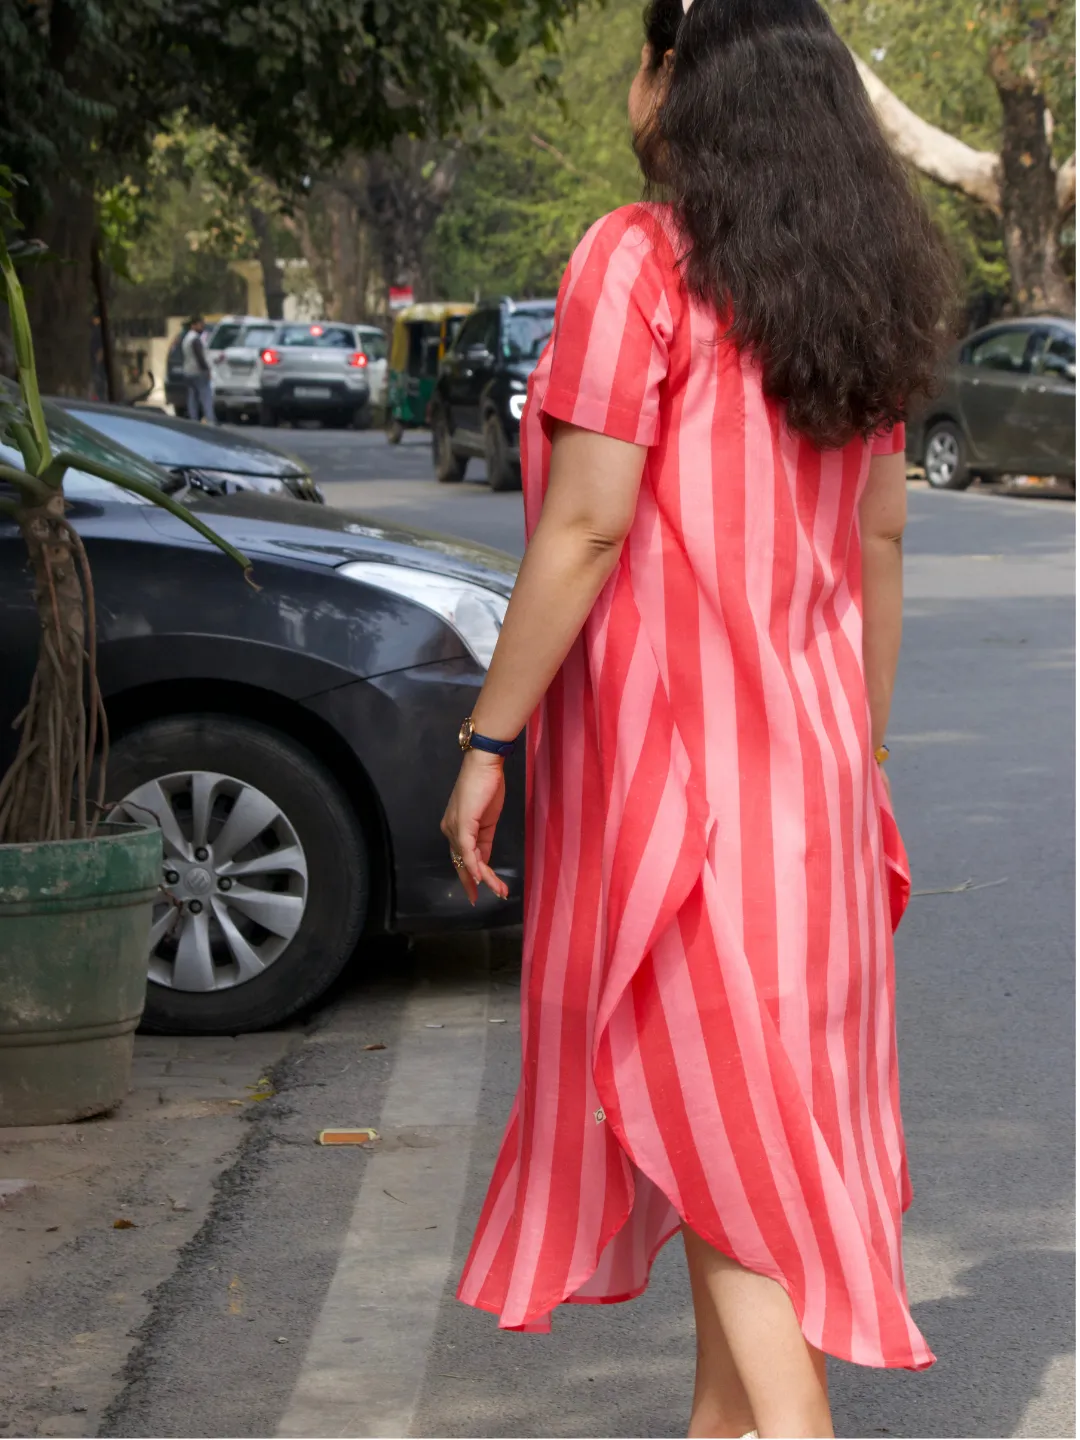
(892, 441)
(613, 328)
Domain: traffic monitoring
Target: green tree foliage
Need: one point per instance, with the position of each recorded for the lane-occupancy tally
(541, 169)
(518, 208)
(85, 85)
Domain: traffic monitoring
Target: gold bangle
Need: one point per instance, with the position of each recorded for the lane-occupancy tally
(881, 754)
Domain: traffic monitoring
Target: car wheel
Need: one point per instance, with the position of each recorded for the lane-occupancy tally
(266, 873)
(361, 417)
(395, 432)
(502, 472)
(449, 467)
(267, 415)
(944, 457)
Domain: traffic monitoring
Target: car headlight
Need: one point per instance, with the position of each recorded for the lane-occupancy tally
(230, 481)
(473, 612)
(517, 405)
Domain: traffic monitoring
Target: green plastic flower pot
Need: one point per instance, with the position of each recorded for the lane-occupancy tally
(75, 921)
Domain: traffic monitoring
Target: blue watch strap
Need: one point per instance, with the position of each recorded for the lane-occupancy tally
(493, 747)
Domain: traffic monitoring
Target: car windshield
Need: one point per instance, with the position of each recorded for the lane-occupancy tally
(526, 334)
(335, 337)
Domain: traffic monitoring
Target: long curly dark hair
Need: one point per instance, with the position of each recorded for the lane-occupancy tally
(801, 224)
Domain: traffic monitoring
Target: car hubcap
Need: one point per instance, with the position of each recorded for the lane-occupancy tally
(942, 458)
(235, 879)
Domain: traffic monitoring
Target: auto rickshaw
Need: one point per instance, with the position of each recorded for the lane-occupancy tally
(422, 335)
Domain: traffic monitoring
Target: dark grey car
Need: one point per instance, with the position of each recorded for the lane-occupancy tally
(1008, 406)
(296, 743)
(198, 457)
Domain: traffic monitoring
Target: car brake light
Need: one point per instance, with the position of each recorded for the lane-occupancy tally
(270, 357)
(315, 330)
(358, 358)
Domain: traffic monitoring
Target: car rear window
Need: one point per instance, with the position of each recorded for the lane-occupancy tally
(256, 336)
(225, 335)
(336, 337)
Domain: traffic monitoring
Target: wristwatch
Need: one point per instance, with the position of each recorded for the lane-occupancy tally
(468, 739)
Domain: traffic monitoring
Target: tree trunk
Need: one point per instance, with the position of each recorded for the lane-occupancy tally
(273, 280)
(44, 791)
(60, 291)
(113, 387)
(1029, 199)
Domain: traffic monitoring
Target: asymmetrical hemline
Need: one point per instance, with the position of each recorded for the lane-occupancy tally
(713, 869)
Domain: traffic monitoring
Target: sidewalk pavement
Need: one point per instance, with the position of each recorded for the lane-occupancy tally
(92, 1216)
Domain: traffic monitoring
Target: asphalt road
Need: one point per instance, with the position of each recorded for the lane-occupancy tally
(318, 1298)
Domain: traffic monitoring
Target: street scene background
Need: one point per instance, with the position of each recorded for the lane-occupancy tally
(192, 1262)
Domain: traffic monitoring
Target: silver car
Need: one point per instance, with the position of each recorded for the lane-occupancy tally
(317, 370)
(236, 369)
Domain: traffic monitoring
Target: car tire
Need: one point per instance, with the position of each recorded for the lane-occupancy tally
(945, 457)
(312, 807)
(502, 472)
(268, 415)
(395, 432)
(449, 466)
(361, 417)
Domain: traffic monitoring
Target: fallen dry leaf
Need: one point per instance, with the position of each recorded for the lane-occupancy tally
(123, 1224)
(375, 1047)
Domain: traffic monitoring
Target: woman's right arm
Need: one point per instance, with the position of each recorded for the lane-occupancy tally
(882, 517)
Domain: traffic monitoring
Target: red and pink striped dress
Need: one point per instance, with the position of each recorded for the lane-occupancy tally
(713, 873)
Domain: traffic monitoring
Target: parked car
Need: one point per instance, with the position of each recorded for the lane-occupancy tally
(321, 371)
(295, 743)
(1008, 406)
(480, 393)
(236, 371)
(198, 457)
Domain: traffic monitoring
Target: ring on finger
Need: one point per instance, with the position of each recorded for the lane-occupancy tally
(457, 860)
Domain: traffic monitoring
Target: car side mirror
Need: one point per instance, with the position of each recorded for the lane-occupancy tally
(479, 354)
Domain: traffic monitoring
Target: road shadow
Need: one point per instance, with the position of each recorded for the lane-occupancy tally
(993, 1354)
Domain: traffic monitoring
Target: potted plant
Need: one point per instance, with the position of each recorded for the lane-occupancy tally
(76, 892)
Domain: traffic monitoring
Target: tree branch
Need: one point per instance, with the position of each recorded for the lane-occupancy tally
(932, 151)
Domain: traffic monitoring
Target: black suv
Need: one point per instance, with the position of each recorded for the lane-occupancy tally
(480, 392)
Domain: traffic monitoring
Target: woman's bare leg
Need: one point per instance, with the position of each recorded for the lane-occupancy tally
(721, 1405)
(762, 1366)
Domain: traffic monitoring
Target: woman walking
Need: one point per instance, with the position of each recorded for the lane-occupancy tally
(703, 641)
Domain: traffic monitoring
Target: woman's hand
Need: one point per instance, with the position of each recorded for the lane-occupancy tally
(471, 816)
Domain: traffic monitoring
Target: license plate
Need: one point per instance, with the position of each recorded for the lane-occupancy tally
(312, 392)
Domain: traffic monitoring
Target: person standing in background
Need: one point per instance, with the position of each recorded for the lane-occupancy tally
(196, 366)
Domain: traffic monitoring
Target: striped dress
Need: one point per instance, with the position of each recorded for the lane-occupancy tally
(713, 872)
